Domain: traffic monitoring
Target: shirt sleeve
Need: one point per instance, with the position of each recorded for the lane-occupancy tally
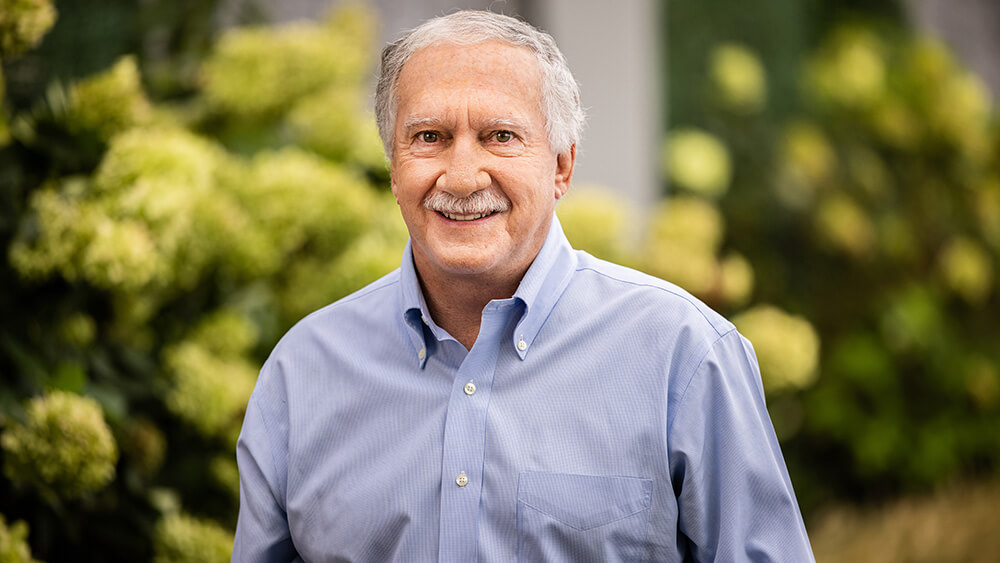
(735, 499)
(262, 532)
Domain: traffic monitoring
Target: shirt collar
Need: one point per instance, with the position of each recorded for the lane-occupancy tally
(542, 285)
(540, 288)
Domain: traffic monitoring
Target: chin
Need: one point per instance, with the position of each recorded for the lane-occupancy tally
(466, 264)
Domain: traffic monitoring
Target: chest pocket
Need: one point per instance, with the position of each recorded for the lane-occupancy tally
(567, 517)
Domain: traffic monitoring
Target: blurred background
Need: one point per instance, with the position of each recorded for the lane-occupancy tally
(182, 180)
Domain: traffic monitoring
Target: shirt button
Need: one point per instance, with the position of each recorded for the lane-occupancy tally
(522, 345)
(462, 480)
(470, 388)
(422, 353)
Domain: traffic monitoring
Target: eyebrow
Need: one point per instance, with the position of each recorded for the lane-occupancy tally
(416, 122)
(503, 123)
(494, 123)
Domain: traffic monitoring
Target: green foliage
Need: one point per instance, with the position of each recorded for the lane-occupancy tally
(183, 539)
(22, 25)
(594, 220)
(112, 101)
(787, 347)
(286, 64)
(14, 546)
(156, 249)
(698, 162)
(682, 242)
(870, 214)
(64, 448)
(208, 392)
(738, 79)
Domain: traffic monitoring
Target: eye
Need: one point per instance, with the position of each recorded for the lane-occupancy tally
(503, 136)
(427, 136)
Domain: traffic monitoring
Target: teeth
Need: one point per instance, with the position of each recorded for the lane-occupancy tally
(471, 217)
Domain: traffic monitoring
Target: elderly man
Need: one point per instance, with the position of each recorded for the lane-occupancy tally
(501, 396)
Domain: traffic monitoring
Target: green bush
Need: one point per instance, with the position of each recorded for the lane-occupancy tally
(14, 546)
(22, 25)
(856, 246)
(872, 213)
(64, 448)
(155, 250)
(183, 539)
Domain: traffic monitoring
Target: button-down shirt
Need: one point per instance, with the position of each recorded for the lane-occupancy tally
(601, 415)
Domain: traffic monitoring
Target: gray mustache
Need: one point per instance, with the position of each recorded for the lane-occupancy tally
(482, 202)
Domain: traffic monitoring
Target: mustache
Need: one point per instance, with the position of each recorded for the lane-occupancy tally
(482, 202)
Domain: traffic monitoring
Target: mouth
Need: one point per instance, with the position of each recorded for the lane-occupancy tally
(478, 206)
(470, 217)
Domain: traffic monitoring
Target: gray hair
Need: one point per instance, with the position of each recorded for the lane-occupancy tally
(560, 95)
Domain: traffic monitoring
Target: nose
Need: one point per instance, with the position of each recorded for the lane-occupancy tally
(465, 171)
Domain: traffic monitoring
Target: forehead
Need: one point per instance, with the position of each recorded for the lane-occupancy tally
(441, 77)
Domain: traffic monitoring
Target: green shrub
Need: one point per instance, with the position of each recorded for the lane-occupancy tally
(14, 546)
(183, 539)
(871, 215)
(156, 247)
(64, 448)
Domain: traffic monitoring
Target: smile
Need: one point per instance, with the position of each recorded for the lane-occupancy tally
(472, 217)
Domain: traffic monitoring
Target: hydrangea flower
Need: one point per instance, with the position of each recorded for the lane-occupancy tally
(851, 71)
(697, 161)
(844, 225)
(111, 101)
(14, 546)
(208, 391)
(279, 65)
(594, 220)
(64, 447)
(967, 269)
(184, 539)
(23, 23)
(738, 78)
(787, 347)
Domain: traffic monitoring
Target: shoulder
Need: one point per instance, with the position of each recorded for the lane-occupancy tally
(371, 309)
(647, 299)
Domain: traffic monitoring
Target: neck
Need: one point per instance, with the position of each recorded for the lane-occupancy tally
(457, 303)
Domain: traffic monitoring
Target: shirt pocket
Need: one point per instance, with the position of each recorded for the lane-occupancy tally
(568, 517)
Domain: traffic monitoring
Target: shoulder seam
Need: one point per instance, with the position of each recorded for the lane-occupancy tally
(665, 290)
(361, 293)
(690, 379)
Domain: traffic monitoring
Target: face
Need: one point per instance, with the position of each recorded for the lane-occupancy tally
(472, 169)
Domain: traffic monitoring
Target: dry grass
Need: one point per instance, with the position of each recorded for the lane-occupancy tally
(959, 525)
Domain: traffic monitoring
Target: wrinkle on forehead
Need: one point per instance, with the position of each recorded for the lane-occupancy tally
(440, 79)
(488, 57)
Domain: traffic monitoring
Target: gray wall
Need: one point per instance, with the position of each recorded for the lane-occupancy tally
(970, 27)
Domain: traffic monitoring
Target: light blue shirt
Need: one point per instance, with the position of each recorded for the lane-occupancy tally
(602, 415)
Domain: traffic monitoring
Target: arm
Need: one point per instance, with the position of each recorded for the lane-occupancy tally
(262, 532)
(735, 500)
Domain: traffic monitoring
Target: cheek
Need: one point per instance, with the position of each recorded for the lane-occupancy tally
(413, 181)
(535, 187)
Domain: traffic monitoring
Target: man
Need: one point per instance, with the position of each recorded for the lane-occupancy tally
(501, 396)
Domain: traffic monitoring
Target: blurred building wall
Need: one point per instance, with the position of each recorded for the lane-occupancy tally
(970, 27)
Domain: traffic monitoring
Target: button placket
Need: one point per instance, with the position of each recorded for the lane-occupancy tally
(465, 432)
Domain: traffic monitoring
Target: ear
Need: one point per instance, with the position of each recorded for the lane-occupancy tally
(564, 170)
(392, 180)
